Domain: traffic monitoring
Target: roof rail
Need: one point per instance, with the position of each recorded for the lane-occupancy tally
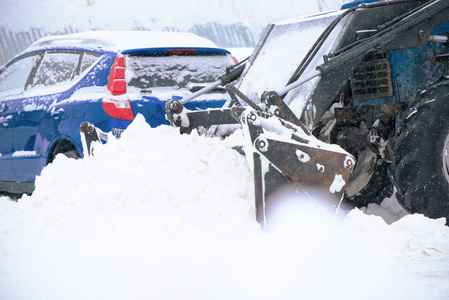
(123, 40)
(76, 41)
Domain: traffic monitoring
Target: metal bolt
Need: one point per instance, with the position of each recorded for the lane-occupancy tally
(262, 144)
(421, 35)
(252, 117)
(90, 128)
(349, 162)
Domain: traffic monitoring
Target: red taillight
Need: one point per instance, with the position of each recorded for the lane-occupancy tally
(117, 82)
(181, 52)
(118, 108)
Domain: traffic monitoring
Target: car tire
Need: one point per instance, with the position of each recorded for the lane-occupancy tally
(66, 148)
(419, 152)
(72, 154)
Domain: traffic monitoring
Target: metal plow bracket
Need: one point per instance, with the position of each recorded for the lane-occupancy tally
(312, 170)
(90, 135)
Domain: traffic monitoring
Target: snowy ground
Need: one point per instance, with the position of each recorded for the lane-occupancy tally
(157, 215)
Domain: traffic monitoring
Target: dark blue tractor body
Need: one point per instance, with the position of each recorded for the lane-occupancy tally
(386, 83)
(411, 70)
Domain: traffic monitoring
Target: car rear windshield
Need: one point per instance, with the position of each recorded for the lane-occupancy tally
(146, 72)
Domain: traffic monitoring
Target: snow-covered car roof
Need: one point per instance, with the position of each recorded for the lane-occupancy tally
(122, 40)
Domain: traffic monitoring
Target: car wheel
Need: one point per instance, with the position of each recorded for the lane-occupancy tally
(72, 154)
(66, 148)
(419, 152)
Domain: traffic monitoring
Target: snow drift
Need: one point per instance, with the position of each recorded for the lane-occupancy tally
(159, 215)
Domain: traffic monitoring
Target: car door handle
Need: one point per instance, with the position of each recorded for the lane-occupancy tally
(57, 113)
(5, 120)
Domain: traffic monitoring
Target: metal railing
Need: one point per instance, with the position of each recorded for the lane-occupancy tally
(12, 43)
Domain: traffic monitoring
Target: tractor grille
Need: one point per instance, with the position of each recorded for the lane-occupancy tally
(372, 78)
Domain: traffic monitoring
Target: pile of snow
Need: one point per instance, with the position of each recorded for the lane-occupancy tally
(159, 215)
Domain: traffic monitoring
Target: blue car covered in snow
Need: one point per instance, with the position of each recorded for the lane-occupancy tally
(105, 78)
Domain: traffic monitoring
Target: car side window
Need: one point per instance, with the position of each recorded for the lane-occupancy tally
(55, 69)
(15, 76)
(89, 58)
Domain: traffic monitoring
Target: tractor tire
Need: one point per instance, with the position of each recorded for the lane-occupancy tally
(419, 151)
(378, 188)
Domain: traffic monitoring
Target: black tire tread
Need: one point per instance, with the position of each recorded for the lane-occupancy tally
(416, 165)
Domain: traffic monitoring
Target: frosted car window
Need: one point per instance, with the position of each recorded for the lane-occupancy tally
(56, 69)
(14, 77)
(88, 60)
(174, 71)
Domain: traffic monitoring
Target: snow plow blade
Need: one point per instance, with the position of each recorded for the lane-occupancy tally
(280, 153)
(282, 156)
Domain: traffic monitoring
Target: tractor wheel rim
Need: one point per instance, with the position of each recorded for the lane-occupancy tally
(446, 158)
